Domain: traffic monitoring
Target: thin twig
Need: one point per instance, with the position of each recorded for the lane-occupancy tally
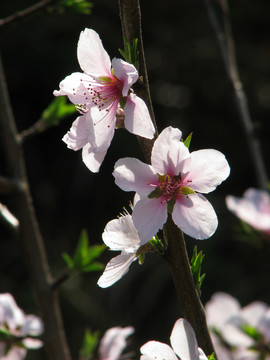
(176, 255)
(130, 16)
(226, 44)
(18, 16)
(32, 242)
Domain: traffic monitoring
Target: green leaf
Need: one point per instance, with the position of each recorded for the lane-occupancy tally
(90, 342)
(188, 140)
(68, 260)
(57, 111)
(80, 6)
(81, 249)
(195, 265)
(157, 244)
(252, 332)
(185, 190)
(95, 266)
(130, 53)
(170, 205)
(212, 357)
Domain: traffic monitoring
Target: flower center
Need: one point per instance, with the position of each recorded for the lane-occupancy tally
(170, 188)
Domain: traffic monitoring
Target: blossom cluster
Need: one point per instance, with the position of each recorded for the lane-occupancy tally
(172, 184)
(17, 330)
(239, 333)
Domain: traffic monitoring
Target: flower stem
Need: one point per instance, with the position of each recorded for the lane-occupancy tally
(31, 238)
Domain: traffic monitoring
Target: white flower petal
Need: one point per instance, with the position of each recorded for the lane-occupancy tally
(137, 117)
(121, 234)
(208, 168)
(74, 86)
(92, 159)
(183, 340)
(10, 313)
(92, 57)
(195, 216)
(133, 175)
(80, 133)
(253, 313)
(116, 269)
(32, 326)
(253, 208)
(154, 350)
(14, 353)
(168, 153)
(148, 216)
(113, 342)
(126, 73)
(31, 343)
(220, 309)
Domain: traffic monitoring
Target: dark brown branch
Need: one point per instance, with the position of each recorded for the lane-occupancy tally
(226, 44)
(176, 255)
(188, 297)
(25, 13)
(130, 15)
(32, 242)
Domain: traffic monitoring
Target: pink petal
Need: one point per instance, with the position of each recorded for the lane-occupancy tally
(103, 127)
(14, 353)
(133, 175)
(10, 313)
(195, 216)
(154, 350)
(184, 341)
(126, 73)
(220, 309)
(264, 326)
(113, 342)
(253, 313)
(92, 159)
(74, 86)
(116, 269)
(148, 216)
(32, 326)
(137, 117)
(121, 234)
(253, 208)
(92, 57)
(168, 152)
(31, 343)
(80, 133)
(207, 170)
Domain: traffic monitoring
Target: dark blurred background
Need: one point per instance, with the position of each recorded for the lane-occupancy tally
(190, 90)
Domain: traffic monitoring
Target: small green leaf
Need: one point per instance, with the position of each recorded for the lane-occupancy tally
(195, 265)
(188, 140)
(185, 190)
(157, 245)
(90, 342)
(155, 194)
(80, 6)
(252, 332)
(68, 260)
(95, 266)
(141, 258)
(57, 110)
(212, 357)
(130, 53)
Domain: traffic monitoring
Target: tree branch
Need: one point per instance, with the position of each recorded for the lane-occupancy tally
(35, 254)
(226, 44)
(18, 16)
(176, 255)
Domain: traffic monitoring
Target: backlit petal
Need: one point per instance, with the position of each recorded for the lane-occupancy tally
(116, 269)
(126, 73)
(121, 234)
(184, 341)
(92, 159)
(133, 175)
(113, 342)
(168, 152)
(195, 216)
(208, 168)
(93, 58)
(137, 117)
(80, 133)
(154, 350)
(148, 216)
